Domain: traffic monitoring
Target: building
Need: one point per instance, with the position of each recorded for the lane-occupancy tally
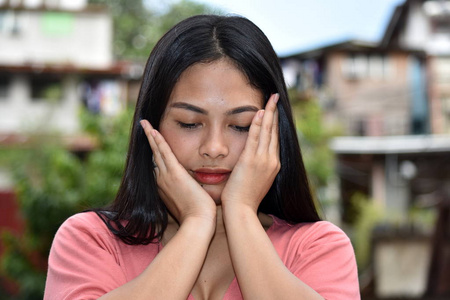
(56, 56)
(362, 87)
(383, 94)
(425, 26)
(391, 101)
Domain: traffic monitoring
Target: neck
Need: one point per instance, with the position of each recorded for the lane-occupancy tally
(220, 227)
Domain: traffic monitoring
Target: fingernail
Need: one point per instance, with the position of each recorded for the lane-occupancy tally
(143, 124)
(261, 113)
(276, 98)
(153, 132)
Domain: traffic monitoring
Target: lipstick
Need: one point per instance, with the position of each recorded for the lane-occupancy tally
(211, 176)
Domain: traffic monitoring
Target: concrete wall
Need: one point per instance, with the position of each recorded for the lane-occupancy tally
(81, 39)
(20, 113)
(401, 267)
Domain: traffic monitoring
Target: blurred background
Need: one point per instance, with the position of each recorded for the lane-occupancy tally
(369, 83)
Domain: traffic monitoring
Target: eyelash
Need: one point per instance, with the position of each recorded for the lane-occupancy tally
(191, 126)
(241, 128)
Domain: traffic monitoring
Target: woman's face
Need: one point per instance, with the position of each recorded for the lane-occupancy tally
(207, 119)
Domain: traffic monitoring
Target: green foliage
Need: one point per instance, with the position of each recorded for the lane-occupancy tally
(103, 169)
(180, 11)
(52, 184)
(132, 27)
(47, 181)
(369, 214)
(18, 263)
(314, 139)
(137, 27)
(422, 219)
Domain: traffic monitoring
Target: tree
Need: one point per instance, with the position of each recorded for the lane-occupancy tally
(314, 138)
(52, 184)
(137, 27)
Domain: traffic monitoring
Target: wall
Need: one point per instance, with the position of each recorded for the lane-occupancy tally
(439, 90)
(82, 39)
(401, 267)
(378, 104)
(20, 113)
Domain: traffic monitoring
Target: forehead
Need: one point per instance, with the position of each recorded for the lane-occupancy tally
(218, 84)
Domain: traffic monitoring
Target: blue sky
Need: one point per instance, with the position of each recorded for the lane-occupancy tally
(298, 25)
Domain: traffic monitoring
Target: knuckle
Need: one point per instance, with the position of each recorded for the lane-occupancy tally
(267, 127)
(275, 164)
(278, 167)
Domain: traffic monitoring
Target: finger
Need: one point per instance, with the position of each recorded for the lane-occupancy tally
(150, 133)
(274, 146)
(169, 159)
(253, 135)
(267, 124)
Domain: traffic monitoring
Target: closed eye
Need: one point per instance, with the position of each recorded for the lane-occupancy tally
(241, 128)
(188, 125)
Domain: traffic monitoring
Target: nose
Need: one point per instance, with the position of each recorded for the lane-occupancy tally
(214, 144)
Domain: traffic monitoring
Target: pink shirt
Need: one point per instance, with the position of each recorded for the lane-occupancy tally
(86, 260)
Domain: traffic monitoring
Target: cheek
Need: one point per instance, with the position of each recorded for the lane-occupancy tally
(238, 145)
(180, 145)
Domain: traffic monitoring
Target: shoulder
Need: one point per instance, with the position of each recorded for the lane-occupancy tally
(320, 243)
(85, 260)
(83, 227)
(320, 254)
(84, 221)
(306, 234)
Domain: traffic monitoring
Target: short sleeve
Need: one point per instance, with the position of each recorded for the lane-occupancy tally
(83, 261)
(325, 260)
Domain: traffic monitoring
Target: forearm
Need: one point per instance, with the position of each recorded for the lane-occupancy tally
(259, 270)
(173, 272)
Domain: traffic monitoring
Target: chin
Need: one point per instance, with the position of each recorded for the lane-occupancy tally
(216, 199)
(215, 195)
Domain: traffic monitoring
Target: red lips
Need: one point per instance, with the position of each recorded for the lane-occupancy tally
(211, 176)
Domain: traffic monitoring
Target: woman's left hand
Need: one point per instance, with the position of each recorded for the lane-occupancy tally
(259, 162)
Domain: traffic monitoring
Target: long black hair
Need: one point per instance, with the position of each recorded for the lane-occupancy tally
(138, 215)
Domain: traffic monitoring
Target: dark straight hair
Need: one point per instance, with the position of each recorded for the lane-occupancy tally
(138, 215)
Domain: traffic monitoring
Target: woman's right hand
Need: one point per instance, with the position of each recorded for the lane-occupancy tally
(183, 196)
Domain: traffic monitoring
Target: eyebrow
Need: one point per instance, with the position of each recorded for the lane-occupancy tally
(190, 107)
(237, 110)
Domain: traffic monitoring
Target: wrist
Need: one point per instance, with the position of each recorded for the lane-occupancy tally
(202, 225)
(238, 211)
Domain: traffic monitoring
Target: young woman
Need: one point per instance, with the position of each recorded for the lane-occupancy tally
(214, 201)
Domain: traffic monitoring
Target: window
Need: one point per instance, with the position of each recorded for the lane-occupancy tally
(441, 26)
(355, 66)
(46, 87)
(102, 96)
(442, 69)
(376, 66)
(9, 22)
(4, 87)
(361, 66)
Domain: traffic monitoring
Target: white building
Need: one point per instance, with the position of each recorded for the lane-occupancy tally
(56, 56)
